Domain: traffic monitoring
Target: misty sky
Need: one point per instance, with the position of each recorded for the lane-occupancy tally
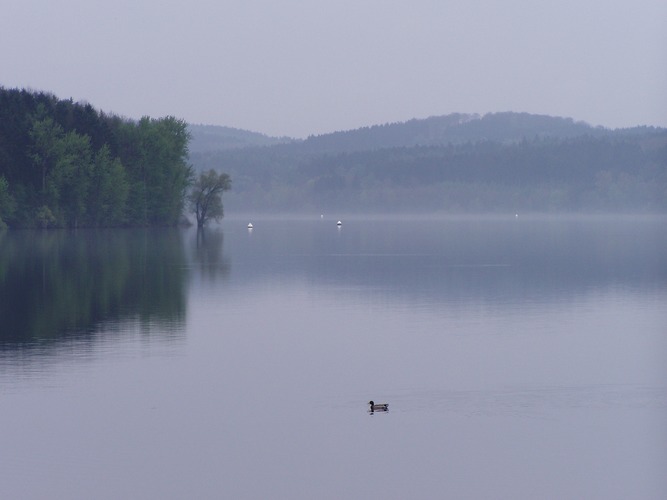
(301, 67)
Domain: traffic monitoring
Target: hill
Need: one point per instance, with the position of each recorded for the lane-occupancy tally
(496, 162)
(455, 128)
(218, 138)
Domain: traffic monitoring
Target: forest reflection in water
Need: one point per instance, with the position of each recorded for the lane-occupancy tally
(57, 285)
(65, 284)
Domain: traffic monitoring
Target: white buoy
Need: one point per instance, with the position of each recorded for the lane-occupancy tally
(339, 223)
(516, 216)
(321, 216)
(249, 225)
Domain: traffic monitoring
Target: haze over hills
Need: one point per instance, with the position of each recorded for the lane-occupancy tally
(219, 138)
(454, 128)
(458, 162)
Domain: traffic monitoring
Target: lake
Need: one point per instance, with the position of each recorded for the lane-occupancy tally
(521, 357)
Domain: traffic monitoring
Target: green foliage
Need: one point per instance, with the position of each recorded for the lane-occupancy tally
(158, 174)
(67, 165)
(110, 188)
(43, 217)
(205, 199)
(7, 204)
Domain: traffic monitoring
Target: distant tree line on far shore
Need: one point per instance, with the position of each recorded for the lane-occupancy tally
(65, 164)
(457, 163)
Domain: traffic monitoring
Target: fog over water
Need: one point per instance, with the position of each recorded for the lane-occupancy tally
(520, 357)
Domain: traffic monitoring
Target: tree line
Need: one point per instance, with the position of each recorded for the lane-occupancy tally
(65, 164)
(620, 171)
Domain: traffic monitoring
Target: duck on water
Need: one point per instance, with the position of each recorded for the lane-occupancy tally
(378, 406)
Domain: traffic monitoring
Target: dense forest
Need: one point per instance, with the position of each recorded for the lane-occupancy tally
(454, 163)
(65, 164)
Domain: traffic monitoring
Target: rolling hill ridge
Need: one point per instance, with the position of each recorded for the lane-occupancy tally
(458, 162)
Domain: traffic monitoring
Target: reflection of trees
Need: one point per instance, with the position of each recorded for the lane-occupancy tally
(208, 253)
(59, 283)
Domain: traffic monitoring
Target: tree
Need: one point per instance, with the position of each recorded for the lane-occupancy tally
(6, 202)
(46, 138)
(109, 189)
(158, 171)
(68, 182)
(205, 198)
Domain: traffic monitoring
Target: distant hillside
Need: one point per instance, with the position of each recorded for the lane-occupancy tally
(455, 128)
(495, 162)
(216, 138)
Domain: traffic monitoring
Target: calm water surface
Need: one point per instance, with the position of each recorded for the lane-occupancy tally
(521, 358)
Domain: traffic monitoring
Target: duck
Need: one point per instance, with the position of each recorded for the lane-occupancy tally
(378, 406)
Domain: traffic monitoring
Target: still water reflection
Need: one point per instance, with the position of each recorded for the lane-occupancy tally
(56, 285)
(521, 358)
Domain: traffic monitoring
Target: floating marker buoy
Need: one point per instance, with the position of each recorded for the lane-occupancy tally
(339, 223)
(249, 225)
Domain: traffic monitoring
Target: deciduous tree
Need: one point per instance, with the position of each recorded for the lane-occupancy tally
(206, 196)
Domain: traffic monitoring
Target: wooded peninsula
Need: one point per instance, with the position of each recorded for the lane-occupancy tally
(65, 164)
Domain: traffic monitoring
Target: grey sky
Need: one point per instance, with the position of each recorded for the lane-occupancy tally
(299, 67)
